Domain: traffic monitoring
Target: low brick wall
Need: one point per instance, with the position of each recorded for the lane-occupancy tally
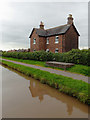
(59, 64)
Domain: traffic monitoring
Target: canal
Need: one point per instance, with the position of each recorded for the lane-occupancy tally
(24, 97)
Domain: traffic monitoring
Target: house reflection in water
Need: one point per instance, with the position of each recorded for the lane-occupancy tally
(37, 90)
(40, 90)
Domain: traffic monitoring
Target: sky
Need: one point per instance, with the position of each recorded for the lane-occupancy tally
(19, 18)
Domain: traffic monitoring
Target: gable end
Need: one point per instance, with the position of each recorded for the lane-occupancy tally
(74, 29)
(31, 32)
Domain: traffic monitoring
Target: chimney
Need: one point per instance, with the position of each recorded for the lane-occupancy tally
(70, 19)
(41, 25)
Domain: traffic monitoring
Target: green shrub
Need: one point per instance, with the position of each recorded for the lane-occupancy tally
(74, 56)
(59, 57)
(38, 55)
(0, 53)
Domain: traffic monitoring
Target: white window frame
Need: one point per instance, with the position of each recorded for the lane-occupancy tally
(56, 50)
(47, 50)
(56, 39)
(47, 41)
(34, 41)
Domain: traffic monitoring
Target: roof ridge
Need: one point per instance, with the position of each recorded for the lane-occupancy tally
(53, 31)
(40, 29)
(53, 27)
(56, 27)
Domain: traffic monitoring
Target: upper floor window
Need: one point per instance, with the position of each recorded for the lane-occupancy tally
(56, 39)
(34, 41)
(56, 50)
(47, 41)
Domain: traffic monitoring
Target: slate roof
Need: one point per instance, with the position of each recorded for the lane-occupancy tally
(53, 31)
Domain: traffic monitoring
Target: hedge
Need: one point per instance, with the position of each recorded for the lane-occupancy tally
(0, 53)
(74, 56)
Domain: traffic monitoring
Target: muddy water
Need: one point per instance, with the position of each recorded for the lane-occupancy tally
(27, 98)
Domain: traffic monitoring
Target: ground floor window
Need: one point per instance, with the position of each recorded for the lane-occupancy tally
(56, 50)
(47, 50)
(47, 41)
(34, 50)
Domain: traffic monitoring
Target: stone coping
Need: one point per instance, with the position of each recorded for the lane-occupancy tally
(59, 64)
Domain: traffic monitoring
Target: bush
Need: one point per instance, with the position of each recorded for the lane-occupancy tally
(0, 53)
(74, 56)
(38, 55)
(77, 56)
(59, 57)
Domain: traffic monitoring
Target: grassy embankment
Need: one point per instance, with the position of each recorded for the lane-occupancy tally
(80, 69)
(72, 87)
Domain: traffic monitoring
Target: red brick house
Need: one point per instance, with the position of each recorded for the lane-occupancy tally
(58, 39)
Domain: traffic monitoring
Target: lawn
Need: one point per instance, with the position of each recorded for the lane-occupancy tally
(67, 85)
(79, 69)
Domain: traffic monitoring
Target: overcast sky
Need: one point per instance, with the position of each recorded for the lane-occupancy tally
(19, 18)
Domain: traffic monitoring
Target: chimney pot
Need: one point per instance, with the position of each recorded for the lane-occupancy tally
(41, 25)
(70, 19)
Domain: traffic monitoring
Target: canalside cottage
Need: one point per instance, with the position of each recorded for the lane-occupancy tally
(58, 39)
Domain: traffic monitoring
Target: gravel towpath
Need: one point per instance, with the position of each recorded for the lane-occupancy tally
(59, 72)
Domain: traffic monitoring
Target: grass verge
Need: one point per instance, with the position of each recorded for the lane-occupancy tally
(72, 87)
(33, 62)
(80, 69)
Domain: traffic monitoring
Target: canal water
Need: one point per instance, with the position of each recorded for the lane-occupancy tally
(24, 97)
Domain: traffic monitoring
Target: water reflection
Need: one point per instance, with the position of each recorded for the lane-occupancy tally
(50, 99)
(38, 90)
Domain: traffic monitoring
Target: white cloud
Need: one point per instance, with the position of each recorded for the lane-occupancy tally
(20, 17)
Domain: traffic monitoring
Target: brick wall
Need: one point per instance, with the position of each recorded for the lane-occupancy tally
(34, 46)
(71, 39)
(63, 43)
(52, 45)
(42, 43)
(67, 42)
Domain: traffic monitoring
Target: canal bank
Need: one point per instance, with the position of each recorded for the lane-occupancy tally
(25, 97)
(58, 72)
(72, 87)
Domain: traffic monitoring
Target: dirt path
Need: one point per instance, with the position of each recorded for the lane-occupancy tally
(59, 72)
